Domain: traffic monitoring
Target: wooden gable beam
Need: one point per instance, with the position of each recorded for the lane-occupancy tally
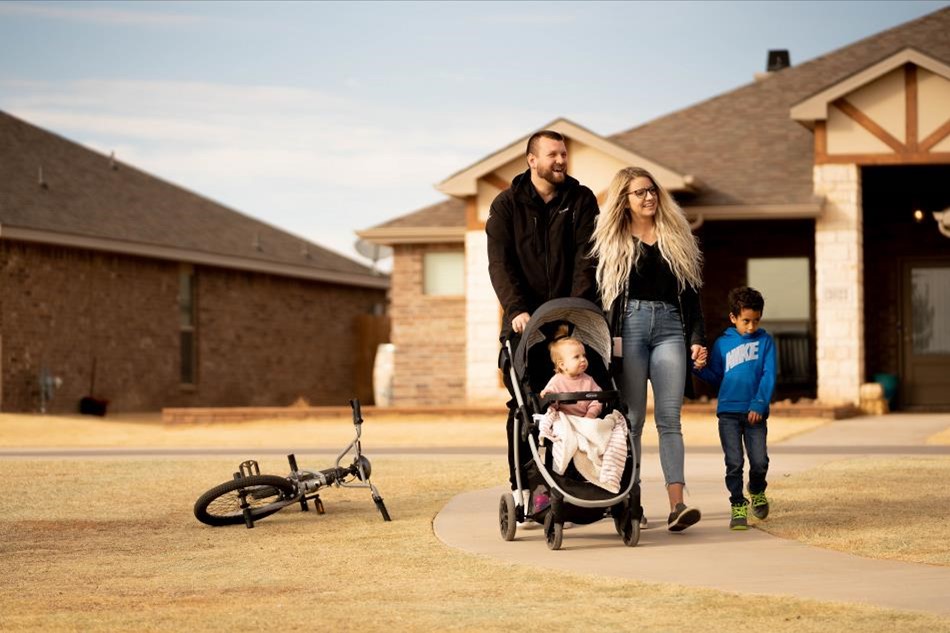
(869, 124)
(496, 181)
(935, 137)
(910, 101)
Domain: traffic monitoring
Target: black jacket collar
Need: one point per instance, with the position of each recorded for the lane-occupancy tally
(525, 192)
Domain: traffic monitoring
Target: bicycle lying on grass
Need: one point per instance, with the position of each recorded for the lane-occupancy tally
(251, 496)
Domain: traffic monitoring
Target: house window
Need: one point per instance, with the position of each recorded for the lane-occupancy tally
(187, 325)
(930, 307)
(784, 282)
(443, 274)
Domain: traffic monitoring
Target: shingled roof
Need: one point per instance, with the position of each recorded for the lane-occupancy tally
(743, 146)
(440, 222)
(449, 212)
(88, 200)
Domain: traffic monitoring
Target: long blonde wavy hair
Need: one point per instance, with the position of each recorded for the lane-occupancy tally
(617, 251)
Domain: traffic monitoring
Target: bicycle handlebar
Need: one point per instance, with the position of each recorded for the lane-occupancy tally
(357, 414)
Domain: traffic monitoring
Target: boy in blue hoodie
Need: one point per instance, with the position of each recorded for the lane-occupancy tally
(742, 364)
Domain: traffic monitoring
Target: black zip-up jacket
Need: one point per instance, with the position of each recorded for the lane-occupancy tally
(537, 251)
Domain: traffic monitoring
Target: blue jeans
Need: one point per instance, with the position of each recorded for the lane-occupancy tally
(734, 429)
(654, 349)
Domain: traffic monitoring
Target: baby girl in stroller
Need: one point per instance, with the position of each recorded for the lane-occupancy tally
(598, 448)
(570, 374)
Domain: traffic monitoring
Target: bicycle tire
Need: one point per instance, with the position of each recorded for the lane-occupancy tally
(222, 504)
(382, 509)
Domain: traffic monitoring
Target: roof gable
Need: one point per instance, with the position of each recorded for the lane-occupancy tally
(465, 182)
(815, 107)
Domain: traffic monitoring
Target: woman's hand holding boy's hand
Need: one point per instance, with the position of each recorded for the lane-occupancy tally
(699, 355)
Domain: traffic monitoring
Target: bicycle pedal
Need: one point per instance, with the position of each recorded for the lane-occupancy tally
(249, 467)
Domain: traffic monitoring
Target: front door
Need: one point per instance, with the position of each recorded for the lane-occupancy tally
(925, 326)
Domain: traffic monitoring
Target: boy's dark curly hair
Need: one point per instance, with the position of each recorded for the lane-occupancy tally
(745, 298)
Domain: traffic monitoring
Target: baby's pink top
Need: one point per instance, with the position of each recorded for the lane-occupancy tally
(562, 383)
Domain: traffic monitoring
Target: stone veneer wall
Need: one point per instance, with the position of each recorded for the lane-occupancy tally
(839, 275)
(262, 339)
(428, 332)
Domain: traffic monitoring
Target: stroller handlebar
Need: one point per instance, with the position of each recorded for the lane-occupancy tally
(570, 397)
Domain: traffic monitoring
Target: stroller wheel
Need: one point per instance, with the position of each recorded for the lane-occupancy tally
(507, 520)
(631, 529)
(553, 532)
(618, 512)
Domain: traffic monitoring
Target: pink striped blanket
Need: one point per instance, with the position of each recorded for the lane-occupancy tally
(597, 446)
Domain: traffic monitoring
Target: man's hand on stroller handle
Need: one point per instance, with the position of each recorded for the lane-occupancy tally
(519, 322)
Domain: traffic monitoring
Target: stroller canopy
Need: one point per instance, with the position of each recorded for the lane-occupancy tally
(590, 327)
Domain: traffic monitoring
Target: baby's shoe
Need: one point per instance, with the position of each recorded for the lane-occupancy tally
(540, 502)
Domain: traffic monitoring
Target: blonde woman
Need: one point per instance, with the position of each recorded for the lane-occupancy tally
(649, 271)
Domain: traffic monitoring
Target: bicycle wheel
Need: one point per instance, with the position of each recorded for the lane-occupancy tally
(265, 495)
(382, 509)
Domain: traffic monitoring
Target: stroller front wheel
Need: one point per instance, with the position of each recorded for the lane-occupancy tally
(553, 532)
(631, 529)
(507, 519)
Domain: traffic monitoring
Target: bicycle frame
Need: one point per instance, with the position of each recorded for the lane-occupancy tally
(303, 485)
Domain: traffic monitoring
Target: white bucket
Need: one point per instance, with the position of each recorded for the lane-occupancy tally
(383, 375)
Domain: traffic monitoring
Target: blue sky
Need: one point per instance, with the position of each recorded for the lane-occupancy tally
(324, 118)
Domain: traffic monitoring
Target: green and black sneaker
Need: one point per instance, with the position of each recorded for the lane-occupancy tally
(760, 505)
(740, 517)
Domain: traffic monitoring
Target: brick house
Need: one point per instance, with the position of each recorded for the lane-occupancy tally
(820, 184)
(132, 290)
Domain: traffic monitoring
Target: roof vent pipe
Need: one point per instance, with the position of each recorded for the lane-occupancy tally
(112, 164)
(40, 180)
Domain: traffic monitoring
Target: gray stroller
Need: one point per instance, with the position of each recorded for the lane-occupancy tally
(556, 499)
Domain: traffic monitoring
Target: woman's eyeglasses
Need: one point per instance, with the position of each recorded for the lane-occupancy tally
(642, 193)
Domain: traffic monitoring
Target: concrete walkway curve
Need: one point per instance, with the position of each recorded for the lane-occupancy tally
(699, 556)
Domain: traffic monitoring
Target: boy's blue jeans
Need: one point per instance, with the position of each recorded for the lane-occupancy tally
(734, 430)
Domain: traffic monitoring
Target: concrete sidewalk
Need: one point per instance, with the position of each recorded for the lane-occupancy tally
(704, 555)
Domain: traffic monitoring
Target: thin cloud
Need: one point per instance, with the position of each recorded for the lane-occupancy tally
(312, 162)
(210, 114)
(98, 15)
(529, 19)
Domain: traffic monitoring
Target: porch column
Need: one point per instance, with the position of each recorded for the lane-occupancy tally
(839, 292)
(482, 382)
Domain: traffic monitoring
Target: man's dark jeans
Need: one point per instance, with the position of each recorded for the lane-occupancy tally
(734, 430)
(524, 451)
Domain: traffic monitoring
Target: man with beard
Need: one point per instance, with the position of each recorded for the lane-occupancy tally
(538, 242)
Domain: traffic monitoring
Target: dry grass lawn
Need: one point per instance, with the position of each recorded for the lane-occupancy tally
(894, 508)
(940, 439)
(131, 431)
(111, 545)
